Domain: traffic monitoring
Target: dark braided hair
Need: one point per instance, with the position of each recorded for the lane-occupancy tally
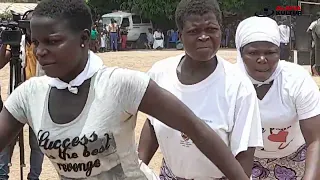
(75, 12)
(196, 7)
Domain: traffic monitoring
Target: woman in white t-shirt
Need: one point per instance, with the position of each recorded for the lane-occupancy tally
(158, 37)
(289, 103)
(84, 113)
(216, 91)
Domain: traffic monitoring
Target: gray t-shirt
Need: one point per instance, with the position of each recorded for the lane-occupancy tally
(99, 144)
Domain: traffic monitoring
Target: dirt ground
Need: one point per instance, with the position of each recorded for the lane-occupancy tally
(137, 60)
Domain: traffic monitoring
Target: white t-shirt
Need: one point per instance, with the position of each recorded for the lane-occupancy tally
(284, 34)
(226, 101)
(99, 144)
(312, 25)
(294, 96)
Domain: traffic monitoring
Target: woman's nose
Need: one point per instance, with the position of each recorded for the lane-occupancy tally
(262, 59)
(204, 37)
(40, 51)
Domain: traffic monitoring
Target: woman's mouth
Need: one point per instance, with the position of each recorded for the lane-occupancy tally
(263, 70)
(203, 48)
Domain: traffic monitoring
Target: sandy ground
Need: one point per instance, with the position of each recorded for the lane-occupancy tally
(137, 60)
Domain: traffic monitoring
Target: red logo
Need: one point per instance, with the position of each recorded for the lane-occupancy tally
(288, 10)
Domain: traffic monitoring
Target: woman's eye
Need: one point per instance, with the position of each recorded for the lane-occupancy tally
(52, 42)
(211, 29)
(270, 52)
(192, 31)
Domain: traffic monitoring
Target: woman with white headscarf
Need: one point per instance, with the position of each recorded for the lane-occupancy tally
(289, 102)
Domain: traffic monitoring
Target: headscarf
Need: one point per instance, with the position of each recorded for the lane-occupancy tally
(94, 64)
(255, 29)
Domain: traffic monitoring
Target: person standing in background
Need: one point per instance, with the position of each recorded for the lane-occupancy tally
(158, 40)
(311, 29)
(113, 32)
(124, 34)
(93, 39)
(284, 41)
(168, 37)
(150, 39)
(227, 36)
(103, 37)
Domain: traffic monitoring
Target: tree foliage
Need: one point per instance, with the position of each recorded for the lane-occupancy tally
(162, 11)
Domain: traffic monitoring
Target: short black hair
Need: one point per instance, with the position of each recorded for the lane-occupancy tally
(196, 7)
(76, 12)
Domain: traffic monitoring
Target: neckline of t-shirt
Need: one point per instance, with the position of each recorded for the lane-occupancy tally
(84, 110)
(269, 92)
(200, 85)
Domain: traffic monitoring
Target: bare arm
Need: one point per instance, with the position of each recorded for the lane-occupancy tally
(9, 128)
(4, 56)
(148, 143)
(165, 107)
(310, 129)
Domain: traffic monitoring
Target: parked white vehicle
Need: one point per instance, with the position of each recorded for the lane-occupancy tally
(137, 26)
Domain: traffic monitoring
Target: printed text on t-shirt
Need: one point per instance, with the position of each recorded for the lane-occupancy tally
(106, 147)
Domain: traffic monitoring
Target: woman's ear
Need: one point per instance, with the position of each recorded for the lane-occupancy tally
(85, 37)
(180, 35)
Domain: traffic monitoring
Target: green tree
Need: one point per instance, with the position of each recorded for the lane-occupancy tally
(162, 11)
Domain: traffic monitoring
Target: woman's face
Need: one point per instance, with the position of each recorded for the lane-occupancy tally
(261, 59)
(58, 49)
(201, 36)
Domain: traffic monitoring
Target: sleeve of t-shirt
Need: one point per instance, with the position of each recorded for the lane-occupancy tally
(129, 87)
(247, 129)
(312, 25)
(17, 102)
(307, 97)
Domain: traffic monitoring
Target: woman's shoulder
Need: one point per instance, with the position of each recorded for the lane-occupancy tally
(164, 64)
(116, 76)
(232, 70)
(234, 78)
(292, 71)
(38, 81)
(35, 85)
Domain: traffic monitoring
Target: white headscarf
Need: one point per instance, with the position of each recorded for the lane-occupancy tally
(257, 29)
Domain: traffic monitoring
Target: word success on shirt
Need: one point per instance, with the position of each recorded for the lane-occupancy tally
(69, 148)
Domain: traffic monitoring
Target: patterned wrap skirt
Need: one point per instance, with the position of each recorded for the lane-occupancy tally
(291, 167)
(166, 174)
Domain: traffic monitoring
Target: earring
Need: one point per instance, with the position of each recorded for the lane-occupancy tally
(82, 45)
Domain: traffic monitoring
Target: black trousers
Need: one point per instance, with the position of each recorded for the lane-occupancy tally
(284, 51)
